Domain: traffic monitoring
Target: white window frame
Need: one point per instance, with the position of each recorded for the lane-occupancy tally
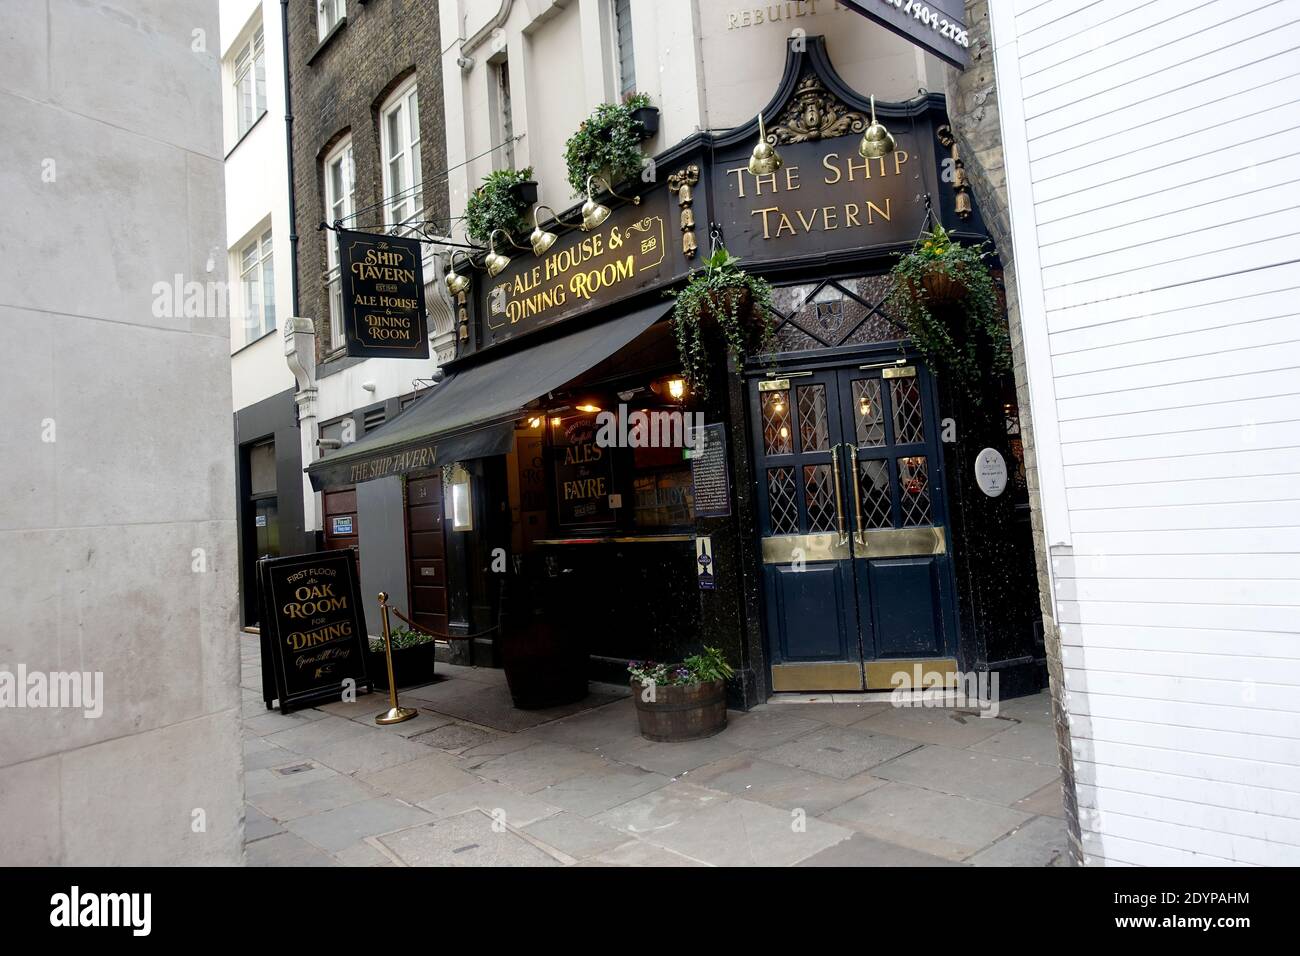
(249, 66)
(328, 15)
(337, 207)
(255, 262)
(624, 73)
(404, 198)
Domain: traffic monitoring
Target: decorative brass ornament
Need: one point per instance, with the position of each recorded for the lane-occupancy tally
(815, 113)
(764, 160)
(876, 140)
(680, 184)
(960, 184)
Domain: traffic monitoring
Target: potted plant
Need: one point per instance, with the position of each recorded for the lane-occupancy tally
(502, 201)
(412, 659)
(683, 701)
(730, 300)
(944, 295)
(606, 144)
(643, 113)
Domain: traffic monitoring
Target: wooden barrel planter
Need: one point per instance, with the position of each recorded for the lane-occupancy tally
(681, 711)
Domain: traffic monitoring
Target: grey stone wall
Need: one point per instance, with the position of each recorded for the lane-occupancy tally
(973, 110)
(117, 530)
(337, 90)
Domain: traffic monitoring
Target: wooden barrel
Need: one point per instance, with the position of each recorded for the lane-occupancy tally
(681, 711)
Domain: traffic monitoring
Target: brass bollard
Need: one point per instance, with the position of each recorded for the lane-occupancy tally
(394, 714)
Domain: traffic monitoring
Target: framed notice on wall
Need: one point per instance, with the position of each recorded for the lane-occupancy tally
(313, 627)
(383, 296)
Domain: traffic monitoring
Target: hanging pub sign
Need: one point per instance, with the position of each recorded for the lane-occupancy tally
(936, 26)
(383, 296)
(313, 627)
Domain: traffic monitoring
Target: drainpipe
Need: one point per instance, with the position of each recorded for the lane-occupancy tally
(288, 148)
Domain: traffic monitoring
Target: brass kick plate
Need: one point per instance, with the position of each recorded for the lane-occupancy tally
(935, 672)
(774, 385)
(824, 677)
(899, 371)
(787, 548)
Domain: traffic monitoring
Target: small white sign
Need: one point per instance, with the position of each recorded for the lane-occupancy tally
(616, 501)
(991, 472)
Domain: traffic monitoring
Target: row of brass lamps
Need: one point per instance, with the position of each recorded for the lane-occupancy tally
(876, 142)
(594, 215)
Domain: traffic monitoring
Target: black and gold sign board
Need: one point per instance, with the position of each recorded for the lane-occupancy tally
(313, 628)
(637, 248)
(584, 482)
(383, 296)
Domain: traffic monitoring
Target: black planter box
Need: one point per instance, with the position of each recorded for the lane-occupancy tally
(648, 117)
(526, 191)
(412, 667)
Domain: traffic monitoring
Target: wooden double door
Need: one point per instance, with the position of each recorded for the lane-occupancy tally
(856, 571)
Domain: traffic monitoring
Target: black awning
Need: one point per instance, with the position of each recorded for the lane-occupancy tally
(472, 413)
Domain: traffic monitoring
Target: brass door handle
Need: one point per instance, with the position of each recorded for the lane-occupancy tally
(859, 534)
(839, 495)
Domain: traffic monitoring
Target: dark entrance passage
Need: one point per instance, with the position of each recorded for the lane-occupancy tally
(852, 516)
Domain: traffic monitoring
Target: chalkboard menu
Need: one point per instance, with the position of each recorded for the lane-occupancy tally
(584, 480)
(709, 472)
(313, 627)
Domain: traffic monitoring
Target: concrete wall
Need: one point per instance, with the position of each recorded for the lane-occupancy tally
(117, 537)
(1156, 278)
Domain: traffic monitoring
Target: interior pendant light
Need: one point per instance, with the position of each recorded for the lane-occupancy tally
(876, 140)
(764, 160)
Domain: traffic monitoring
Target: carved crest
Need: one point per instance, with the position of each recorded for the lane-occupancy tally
(814, 113)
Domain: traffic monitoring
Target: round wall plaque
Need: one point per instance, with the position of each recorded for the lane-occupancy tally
(991, 472)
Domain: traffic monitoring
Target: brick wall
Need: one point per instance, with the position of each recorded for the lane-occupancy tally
(337, 89)
(973, 111)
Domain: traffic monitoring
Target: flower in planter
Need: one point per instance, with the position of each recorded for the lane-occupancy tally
(401, 639)
(607, 144)
(707, 666)
(944, 295)
(495, 205)
(733, 299)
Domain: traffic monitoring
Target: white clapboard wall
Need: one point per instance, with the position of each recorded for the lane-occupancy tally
(1153, 165)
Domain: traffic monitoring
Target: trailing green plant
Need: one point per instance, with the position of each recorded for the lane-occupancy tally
(401, 638)
(707, 666)
(733, 299)
(607, 143)
(494, 205)
(962, 334)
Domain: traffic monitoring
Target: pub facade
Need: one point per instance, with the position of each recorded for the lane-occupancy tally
(817, 515)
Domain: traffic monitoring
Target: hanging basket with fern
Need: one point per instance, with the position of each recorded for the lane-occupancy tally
(502, 201)
(721, 303)
(944, 295)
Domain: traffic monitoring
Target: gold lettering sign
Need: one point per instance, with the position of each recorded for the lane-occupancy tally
(395, 464)
(591, 269)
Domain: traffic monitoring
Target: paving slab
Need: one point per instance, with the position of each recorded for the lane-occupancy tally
(595, 729)
(1042, 841)
(827, 712)
(335, 830)
(638, 853)
(257, 825)
(268, 756)
(589, 794)
(314, 796)
(660, 809)
(375, 750)
(670, 759)
(456, 737)
(539, 766)
(309, 737)
(1035, 707)
(778, 785)
(366, 705)
(423, 778)
(517, 809)
(952, 727)
(287, 849)
(575, 835)
(363, 853)
(466, 839)
(935, 823)
(839, 752)
(1047, 802)
(968, 773)
(272, 721)
(1032, 740)
(259, 782)
(862, 850)
(766, 727)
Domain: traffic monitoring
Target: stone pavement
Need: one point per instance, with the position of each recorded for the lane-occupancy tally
(473, 782)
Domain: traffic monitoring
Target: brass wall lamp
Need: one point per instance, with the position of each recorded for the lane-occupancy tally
(458, 282)
(496, 261)
(764, 160)
(876, 140)
(594, 213)
(542, 239)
